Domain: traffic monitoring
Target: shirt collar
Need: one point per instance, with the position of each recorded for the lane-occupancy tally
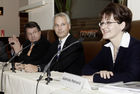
(124, 42)
(63, 40)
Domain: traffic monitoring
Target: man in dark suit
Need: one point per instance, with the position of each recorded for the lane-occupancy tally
(32, 56)
(72, 59)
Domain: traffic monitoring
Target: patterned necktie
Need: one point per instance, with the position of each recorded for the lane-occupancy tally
(59, 49)
(29, 52)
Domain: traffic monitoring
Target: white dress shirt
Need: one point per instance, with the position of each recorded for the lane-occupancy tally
(63, 40)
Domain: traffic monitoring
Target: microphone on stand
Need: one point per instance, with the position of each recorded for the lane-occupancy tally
(47, 67)
(13, 69)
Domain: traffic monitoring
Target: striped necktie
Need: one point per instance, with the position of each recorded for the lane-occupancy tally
(59, 49)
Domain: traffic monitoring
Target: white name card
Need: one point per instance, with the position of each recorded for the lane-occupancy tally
(74, 82)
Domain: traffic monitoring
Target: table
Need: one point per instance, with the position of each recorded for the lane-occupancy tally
(25, 83)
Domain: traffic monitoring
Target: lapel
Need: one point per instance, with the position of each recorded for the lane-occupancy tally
(121, 56)
(122, 53)
(68, 41)
(109, 58)
(55, 47)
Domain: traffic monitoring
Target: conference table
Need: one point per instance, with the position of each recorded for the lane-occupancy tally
(25, 83)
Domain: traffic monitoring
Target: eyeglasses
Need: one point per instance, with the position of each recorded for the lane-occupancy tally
(106, 23)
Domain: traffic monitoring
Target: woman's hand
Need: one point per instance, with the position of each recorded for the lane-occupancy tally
(103, 74)
(106, 74)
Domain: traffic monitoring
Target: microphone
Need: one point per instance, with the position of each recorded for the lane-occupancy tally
(47, 67)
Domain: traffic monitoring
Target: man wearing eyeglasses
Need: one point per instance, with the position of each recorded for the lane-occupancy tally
(30, 57)
(119, 60)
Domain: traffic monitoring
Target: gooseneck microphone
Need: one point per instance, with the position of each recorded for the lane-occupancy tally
(47, 67)
(13, 69)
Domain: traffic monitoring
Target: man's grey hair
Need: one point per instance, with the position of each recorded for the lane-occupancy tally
(62, 14)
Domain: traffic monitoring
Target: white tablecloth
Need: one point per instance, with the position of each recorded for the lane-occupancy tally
(25, 83)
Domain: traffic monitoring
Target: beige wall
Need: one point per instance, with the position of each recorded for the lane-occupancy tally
(10, 20)
(43, 15)
(134, 5)
(23, 3)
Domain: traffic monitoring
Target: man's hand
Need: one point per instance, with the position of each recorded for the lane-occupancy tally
(19, 66)
(30, 68)
(17, 46)
(26, 67)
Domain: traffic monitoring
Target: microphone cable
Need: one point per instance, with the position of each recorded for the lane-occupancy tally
(37, 85)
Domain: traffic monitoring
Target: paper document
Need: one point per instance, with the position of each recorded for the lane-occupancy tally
(125, 88)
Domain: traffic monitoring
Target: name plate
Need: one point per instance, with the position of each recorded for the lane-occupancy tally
(74, 82)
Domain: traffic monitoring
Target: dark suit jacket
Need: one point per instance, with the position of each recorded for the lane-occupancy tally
(126, 67)
(3, 53)
(70, 60)
(37, 54)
